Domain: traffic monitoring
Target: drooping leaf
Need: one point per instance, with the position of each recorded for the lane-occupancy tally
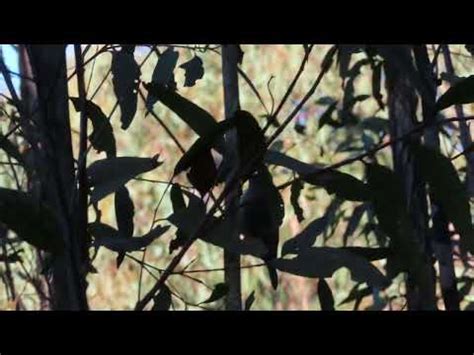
(326, 300)
(470, 48)
(124, 211)
(326, 117)
(108, 175)
(162, 301)
(323, 262)
(354, 222)
(376, 85)
(102, 137)
(11, 150)
(280, 159)
(448, 190)
(371, 254)
(357, 294)
(306, 238)
(163, 75)
(199, 120)
(121, 244)
(125, 80)
(458, 94)
(33, 222)
(346, 115)
(194, 71)
(375, 124)
(102, 231)
(178, 203)
(220, 291)
(344, 55)
(249, 301)
(343, 185)
(296, 188)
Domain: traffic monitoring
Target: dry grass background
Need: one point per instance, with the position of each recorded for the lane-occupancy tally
(112, 289)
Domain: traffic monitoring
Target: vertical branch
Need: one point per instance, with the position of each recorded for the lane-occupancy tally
(81, 212)
(466, 139)
(57, 169)
(440, 238)
(230, 59)
(29, 98)
(402, 105)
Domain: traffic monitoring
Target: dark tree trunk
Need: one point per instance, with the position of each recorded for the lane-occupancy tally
(57, 169)
(402, 105)
(230, 55)
(440, 237)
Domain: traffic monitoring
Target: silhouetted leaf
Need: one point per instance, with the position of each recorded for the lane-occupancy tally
(102, 137)
(325, 100)
(108, 175)
(452, 79)
(377, 125)
(120, 244)
(281, 159)
(162, 301)
(343, 185)
(126, 75)
(124, 211)
(353, 222)
(357, 294)
(220, 290)
(102, 231)
(458, 94)
(296, 188)
(163, 74)
(249, 301)
(178, 203)
(323, 262)
(199, 120)
(470, 48)
(376, 85)
(326, 300)
(11, 150)
(449, 191)
(344, 55)
(306, 238)
(33, 222)
(371, 254)
(326, 117)
(193, 71)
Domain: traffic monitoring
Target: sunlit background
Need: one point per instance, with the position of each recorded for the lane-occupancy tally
(271, 68)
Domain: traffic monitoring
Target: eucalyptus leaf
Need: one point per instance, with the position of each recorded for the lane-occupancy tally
(323, 262)
(108, 175)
